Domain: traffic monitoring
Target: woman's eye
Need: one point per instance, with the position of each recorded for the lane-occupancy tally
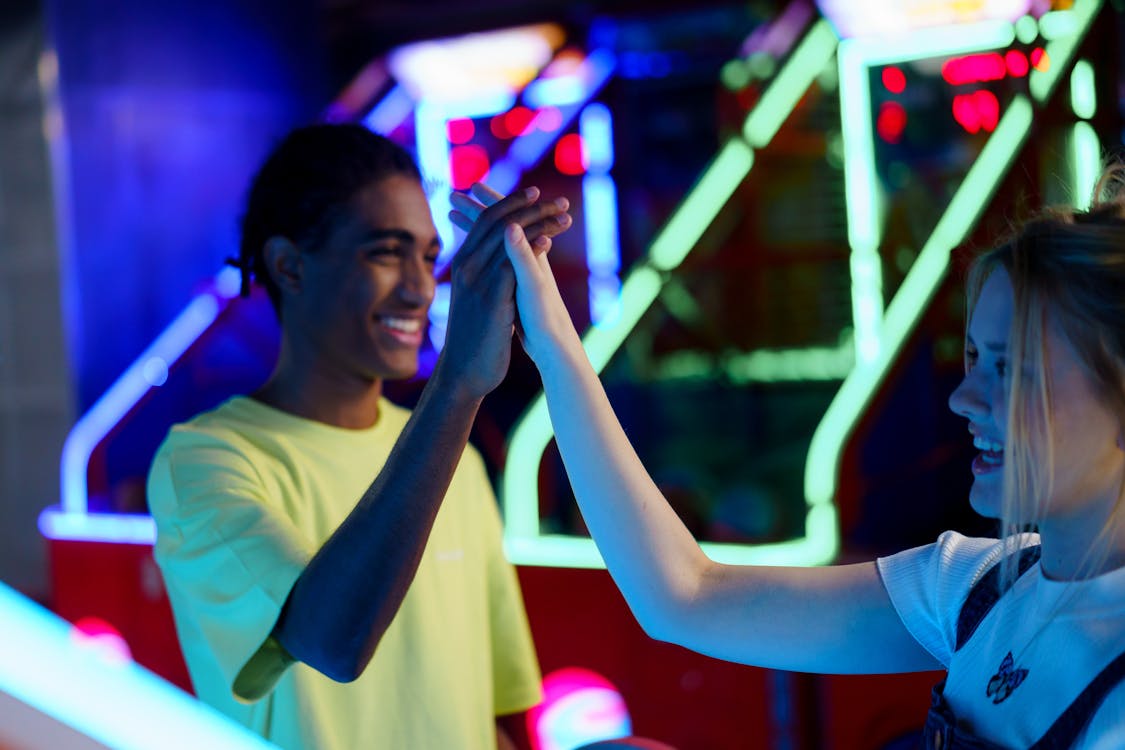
(432, 259)
(970, 358)
(1001, 368)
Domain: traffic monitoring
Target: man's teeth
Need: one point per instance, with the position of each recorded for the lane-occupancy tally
(987, 445)
(406, 325)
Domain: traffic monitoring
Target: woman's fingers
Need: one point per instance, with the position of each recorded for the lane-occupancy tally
(485, 194)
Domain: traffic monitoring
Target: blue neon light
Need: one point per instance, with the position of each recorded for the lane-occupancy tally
(390, 112)
(599, 208)
(116, 703)
(126, 391)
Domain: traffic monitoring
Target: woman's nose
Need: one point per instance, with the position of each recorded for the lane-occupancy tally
(968, 399)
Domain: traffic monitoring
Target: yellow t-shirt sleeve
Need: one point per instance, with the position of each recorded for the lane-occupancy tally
(516, 681)
(229, 558)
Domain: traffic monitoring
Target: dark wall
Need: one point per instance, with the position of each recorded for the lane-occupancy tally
(169, 106)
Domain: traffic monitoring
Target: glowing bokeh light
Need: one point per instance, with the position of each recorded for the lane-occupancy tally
(891, 121)
(894, 80)
(518, 120)
(1017, 63)
(468, 164)
(985, 66)
(570, 157)
(579, 707)
(461, 130)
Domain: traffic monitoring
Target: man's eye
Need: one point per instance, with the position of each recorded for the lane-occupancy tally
(378, 253)
(432, 259)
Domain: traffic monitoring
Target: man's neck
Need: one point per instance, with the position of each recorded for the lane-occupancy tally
(333, 398)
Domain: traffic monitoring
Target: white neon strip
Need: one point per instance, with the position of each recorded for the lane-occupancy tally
(126, 391)
(117, 528)
(114, 702)
(391, 111)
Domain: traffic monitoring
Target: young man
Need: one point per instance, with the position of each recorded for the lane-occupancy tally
(333, 561)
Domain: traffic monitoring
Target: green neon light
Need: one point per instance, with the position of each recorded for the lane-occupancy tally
(701, 205)
(1064, 36)
(1057, 24)
(557, 550)
(1086, 158)
(913, 296)
(778, 101)
(1083, 96)
(1027, 29)
(814, 363)
(864, 193)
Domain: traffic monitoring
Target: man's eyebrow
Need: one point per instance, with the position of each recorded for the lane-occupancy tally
(402, 235)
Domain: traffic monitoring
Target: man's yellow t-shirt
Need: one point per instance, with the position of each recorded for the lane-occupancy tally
(243, 496)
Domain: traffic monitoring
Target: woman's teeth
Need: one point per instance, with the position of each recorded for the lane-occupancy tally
(991, 451)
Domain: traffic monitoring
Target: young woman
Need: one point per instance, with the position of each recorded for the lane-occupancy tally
(1031, 628)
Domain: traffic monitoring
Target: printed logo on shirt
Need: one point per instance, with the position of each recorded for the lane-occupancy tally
(1006, 679)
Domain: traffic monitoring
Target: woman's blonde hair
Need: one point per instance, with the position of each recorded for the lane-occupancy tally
(1073, 264)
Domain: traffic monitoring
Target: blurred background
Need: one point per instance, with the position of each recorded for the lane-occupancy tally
(773, 202)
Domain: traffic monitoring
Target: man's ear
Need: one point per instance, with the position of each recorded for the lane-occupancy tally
(283, 262)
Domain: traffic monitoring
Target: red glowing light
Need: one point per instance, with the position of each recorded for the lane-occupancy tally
(460, 130)
(468, 164)
(891, 122)
(1016, 62)
(499, 128)
(1040, 60)
(986, 66)
(97, 635)
(570, 154)
(977, 111)
(518, 120)
(894, 79)
(548, 119)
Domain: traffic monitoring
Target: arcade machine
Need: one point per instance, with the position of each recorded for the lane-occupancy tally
(761, 260)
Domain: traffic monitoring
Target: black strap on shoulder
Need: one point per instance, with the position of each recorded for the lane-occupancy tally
(986, 592)
(1074, 719)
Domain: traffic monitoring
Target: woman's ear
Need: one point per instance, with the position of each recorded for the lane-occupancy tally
(283, 263)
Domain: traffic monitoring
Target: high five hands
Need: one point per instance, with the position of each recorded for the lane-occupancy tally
(543, 317)
(482, 299)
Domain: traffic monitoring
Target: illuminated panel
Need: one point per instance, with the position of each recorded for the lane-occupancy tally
(912, 298)
(523, 542)
(864, 198)
(890, 18)
(148, 371)
(48, 666)
(432, 120)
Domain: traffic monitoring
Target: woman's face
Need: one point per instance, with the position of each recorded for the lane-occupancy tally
(1084, 433)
